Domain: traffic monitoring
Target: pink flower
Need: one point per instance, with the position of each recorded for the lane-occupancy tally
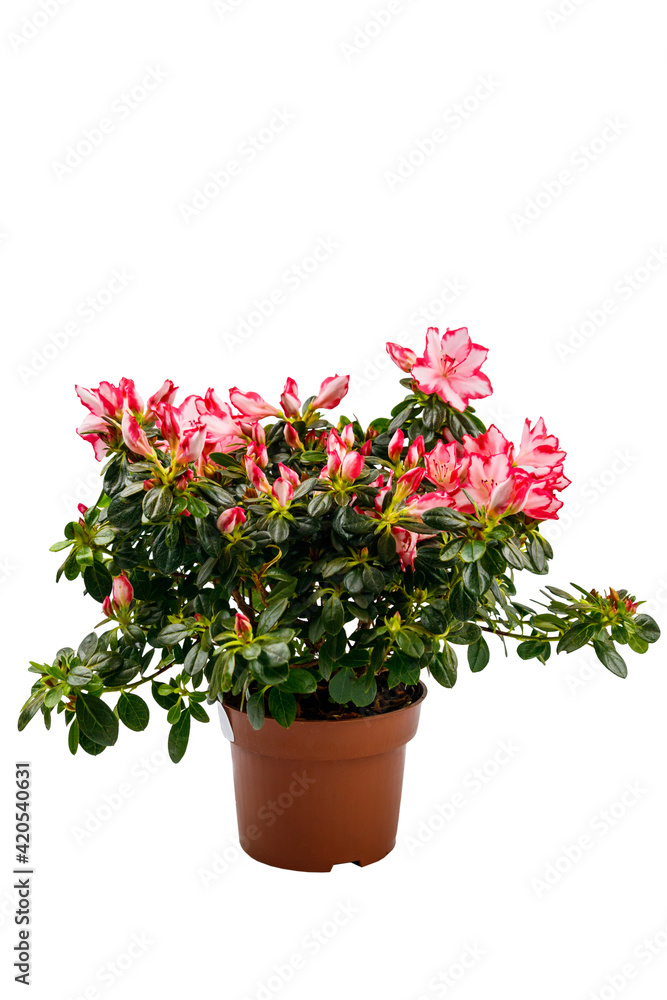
(282, 492)
(289, 399)
(292, 438)
(351, 466)
(415, 453)
(416, 505)
(450, 368)
(223, 432)
(442, 467)
(122, 591)
(242, 626)
(251, 404)
(105, 401)
(401, 356)
(256, 476)
(396, 446)
(134, 437)
(491, 484)
(258, 454)
(230, 519)
(492, 442)
(332, 391)
(289, 474)
(538, 450)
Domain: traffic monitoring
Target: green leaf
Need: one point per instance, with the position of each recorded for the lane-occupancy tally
(124, 515)
(636, 643)
(271, 615)
(198, 713)
(98, 581)
(255, 709)
(402, 671)
(89, 746)
(174, 633)
(341, 685)
(461, 603)
(79, 676)
(410, 644)
(179, 735)
(443, 667)
(197, 507)
(133, 711)
(452, 549)
(531, 648)
(478, 655)
(473, 550)
(87, 647)
(157, 503)
(64, 544)
(576, 637)
(282, 705)
(386, 545)
(444, 518)
(299, 682)
(612, 660)
(96, 720)
(333, 614)
(469, 632)
(31, 707)
(73, 737)
(646, 628)
(475, 578)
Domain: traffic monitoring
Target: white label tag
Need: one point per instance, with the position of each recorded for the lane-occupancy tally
(225, 724)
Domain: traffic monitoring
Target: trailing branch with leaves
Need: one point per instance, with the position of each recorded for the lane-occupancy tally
(305, 569)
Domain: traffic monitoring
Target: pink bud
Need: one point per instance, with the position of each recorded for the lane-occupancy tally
(165, 394)
(191, 444)
(283, 492)
(130, 395)
(366, 447)
(107, 607)
(396, 445)
(292, 438)
(251, 404)
(401, 356)
(242, 625)
(82, 508)
(408, 483)
(256, 476)
(134, 437)
(352, 466)
(415, 453)
(334, 462)
(289, 474)
(347, 435)
(122, 591)
(230, 519)
(289, 400)
(332, 390)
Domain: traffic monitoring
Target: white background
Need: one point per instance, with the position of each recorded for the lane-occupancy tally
(519, 96)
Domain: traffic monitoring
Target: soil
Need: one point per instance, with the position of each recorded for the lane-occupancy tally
(319, 707)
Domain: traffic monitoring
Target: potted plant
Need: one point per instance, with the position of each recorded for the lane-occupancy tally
(303, 575)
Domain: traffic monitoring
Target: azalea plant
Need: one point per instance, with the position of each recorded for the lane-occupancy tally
(303, 568)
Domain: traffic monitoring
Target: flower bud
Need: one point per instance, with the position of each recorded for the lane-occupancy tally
(230, 519)
(122, 591)
(242, 625)
(396, 446)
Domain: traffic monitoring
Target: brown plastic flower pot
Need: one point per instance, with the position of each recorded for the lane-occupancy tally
(320, 793)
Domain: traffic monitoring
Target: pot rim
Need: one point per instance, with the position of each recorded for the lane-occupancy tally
(361, 718)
